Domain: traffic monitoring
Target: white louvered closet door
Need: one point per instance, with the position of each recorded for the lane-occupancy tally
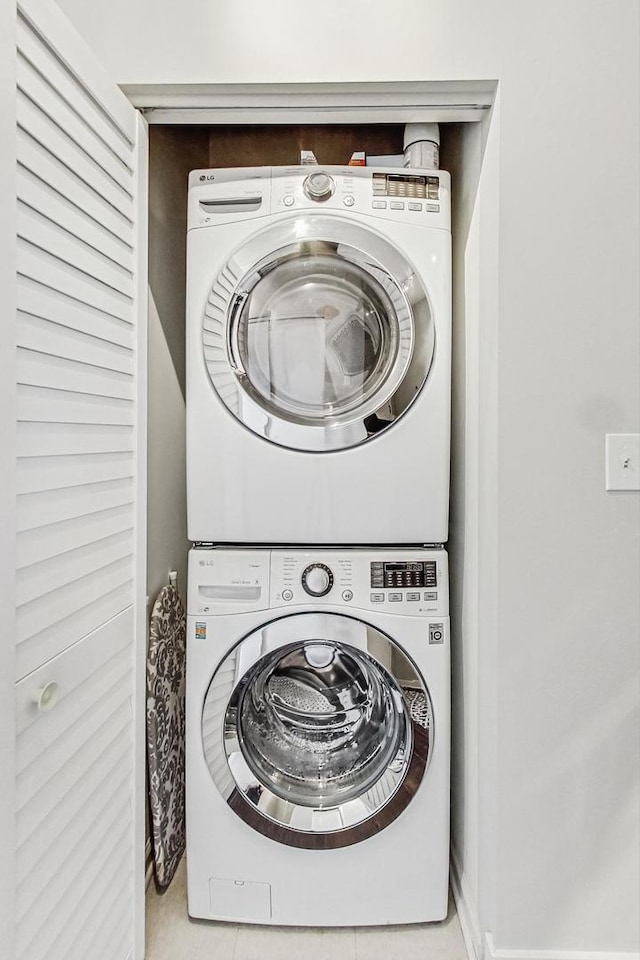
(80, 448)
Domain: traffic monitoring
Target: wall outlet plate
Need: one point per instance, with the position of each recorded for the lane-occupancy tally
(622, 460)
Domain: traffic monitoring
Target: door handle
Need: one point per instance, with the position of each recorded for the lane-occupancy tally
(46, 697)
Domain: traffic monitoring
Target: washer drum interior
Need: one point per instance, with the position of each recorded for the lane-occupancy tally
(315, 742)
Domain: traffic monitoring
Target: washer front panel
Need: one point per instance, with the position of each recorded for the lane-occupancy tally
(318, 333)
(316, 730)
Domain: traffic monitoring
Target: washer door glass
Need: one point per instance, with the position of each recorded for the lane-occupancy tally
(320, 742)
(318, 334)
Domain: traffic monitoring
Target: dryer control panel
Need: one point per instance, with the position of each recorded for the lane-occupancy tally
(417, 197)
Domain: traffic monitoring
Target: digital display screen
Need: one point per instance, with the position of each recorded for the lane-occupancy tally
(396, 575)
(411, 186)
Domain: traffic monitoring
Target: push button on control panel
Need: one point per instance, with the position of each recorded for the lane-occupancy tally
(377, 598)
(287, 594)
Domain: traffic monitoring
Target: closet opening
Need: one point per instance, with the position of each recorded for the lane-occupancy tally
(176, 148)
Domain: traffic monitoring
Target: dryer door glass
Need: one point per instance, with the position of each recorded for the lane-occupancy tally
(316, 337)
(323, 742)
(318, 334)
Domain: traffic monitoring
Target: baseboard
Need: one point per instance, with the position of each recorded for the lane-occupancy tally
(148, 863)
(467, 911)
(495, 953)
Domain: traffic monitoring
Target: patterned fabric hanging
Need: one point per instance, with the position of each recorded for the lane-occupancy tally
(166, 731)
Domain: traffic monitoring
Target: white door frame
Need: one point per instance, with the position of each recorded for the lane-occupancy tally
(460, 101)
(7, 475)
(140, 560)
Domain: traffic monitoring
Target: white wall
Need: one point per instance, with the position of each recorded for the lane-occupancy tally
(558, 747)
(167, 543)
(166, 499)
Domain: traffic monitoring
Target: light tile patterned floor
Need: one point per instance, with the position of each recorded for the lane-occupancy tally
(172, 935)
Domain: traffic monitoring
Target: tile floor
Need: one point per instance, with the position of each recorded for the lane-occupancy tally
(172, 935)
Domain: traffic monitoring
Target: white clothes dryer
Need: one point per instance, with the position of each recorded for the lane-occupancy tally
(318, 355)
(318, 736)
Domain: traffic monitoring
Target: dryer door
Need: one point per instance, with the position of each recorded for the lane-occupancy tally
(318, 334)
(317, 730)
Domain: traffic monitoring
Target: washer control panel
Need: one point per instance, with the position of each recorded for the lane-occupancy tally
(400, 581)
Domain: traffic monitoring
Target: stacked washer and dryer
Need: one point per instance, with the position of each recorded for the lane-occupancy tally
(318, 419)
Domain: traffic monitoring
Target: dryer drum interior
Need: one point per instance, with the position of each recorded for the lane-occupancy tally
(318, 334)
(319, 744)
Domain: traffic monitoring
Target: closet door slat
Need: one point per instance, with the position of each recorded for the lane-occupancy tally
(54, 34)
(39, 579)
(52, 139)
(59, 209)
(44, 439)
(47, 611)
(44, 234)
(44, 61)
(68, 407)
(72, 124)
(40, 160)
(58, 275)
(55, 506)
(72, 471)
(59, 340)
(35, 646)
(46, 370)
(38, 300)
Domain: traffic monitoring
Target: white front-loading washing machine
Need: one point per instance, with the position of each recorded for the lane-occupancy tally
(318, 734)
(318, 355)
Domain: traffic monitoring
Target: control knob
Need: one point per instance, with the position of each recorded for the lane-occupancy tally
(318, 186)
(317, 580)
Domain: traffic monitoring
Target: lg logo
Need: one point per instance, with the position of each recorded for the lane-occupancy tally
(205, 176)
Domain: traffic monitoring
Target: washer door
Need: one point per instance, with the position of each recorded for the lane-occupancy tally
(316, 730)
(318, 334)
